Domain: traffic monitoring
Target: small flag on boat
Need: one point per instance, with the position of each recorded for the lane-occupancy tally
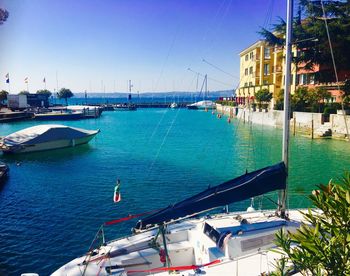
(44, 80)
(7, 78)
(117, 196)
(26, 80)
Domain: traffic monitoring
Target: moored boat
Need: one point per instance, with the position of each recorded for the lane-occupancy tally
(174, 105)
(56, 115)
(125, 107)
(202, 105)
(4, 169)
(88, 111)
(170, 239)
(45, 137)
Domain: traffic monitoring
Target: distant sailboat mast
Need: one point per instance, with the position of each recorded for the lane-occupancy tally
(286, 122)
(129, 96)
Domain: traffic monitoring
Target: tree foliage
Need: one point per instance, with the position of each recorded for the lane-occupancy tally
(4, 14)
(321, 246)
(24, 92)
(44, 91)
(263, 96)
(3, 95)
(308, 26)
(300, 99)
(65, 93)
(346, 89)
(279, 97)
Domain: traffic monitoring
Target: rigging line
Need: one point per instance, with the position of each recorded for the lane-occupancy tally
(226, 84)
(207, 31)
(220, 24)
(167, 56)
(216, 67)
(335, 68)
(163, 142)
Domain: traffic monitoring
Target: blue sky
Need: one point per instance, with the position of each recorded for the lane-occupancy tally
(98, 45)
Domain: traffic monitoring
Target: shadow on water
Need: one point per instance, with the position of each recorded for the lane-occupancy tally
(52, 156)
(3, 182)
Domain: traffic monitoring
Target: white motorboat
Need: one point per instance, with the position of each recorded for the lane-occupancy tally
(174, 105)
(88, 111)
(125, 107)
(202, 105)
(45, 137)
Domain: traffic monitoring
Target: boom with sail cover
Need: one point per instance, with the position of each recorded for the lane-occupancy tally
(243, 187)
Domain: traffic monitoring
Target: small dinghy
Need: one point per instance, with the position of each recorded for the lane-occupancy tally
(45, 137)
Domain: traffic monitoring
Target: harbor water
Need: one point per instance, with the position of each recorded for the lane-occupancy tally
(54, 202)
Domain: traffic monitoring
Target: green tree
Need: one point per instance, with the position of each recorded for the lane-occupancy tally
(65, 93)
(263, 96)
(300, 98)
(279, 97)
(4, 14)
(321, 246)
(44, 91)
(3, 95)
(346, 89)
(24, 92)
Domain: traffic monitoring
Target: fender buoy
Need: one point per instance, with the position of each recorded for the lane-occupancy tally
(162, 256)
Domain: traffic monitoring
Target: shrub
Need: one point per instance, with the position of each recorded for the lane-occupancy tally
(321, 246)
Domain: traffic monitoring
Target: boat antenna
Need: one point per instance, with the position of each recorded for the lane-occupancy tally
(286, 121)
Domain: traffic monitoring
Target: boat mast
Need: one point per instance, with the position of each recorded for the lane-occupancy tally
(286, 122)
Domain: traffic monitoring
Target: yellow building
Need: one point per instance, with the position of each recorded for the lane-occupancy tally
(261, 66)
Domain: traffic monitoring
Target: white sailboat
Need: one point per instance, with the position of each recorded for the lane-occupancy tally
(205, 104)
(171, 240)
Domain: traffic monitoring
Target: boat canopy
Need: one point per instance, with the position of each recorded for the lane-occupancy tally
(243, 187)
(45, 133)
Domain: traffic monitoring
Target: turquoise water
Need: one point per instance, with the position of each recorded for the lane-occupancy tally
(54, 201)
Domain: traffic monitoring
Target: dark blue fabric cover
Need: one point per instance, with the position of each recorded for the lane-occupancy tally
(246, 186)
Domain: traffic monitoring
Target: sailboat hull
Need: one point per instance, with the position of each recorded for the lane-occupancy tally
(191, 243)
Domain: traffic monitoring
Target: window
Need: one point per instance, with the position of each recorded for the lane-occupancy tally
(246, 71)
(250, 83)
(250, 70)
(303, 79)
(245, 84)
(246, 57)
(265, 82)
(266, 69)
(251, 55)
(267, 52)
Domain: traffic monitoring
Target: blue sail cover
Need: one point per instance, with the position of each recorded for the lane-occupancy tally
(243, 187)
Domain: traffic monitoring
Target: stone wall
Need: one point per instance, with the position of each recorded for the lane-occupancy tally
(338, 125)
(302, 122)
